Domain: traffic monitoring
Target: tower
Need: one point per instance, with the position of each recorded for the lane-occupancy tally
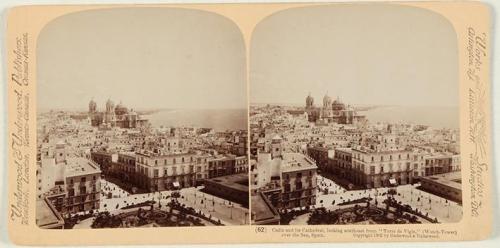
(327, 106)
(110, 106)
(92, 106)
(309, 101)
(60, 152)
(59, 166)
(109, 116)
(276, 147)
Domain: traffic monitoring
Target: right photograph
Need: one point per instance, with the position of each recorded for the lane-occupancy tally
(354, 117)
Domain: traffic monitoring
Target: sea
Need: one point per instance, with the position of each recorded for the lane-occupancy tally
(437, 117)
(218, 119)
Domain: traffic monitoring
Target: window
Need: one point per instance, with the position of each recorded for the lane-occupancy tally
(298, 185)
(83, 190)
(287, 187)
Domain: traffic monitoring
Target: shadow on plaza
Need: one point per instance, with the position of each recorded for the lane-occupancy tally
(342, 182)
(126, 186)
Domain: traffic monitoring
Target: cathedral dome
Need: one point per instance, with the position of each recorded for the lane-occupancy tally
(338, 105)
(121, 109)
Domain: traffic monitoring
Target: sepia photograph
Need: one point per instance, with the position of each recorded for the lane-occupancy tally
(354, 117)
(141, 120)
(249, 123)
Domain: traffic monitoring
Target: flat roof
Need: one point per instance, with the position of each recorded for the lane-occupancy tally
(151, 154)
(297, 162)
(263, 209)
(233, 181)
(80, 166)
(452, 179)
(47, 216)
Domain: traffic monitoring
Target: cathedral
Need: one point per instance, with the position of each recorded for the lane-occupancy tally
(331, 112)
(114, 116)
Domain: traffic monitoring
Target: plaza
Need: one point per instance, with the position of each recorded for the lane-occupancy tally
(333, 197)
(119, 202)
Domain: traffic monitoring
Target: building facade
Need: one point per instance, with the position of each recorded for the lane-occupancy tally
(114, 116)
(287, 180)
(331, 112)
(374, 168)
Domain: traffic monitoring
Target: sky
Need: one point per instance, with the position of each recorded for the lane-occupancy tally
(363, 54)
(145, 58)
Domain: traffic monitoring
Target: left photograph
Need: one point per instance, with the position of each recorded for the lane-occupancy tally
(141, 120)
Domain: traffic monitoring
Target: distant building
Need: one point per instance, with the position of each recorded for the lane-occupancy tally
(341, 164)
(331, 112)
(381, 168)
(441, 162)
(321, 155)
(227, 165)
(114, 116)
(159, 170)
(104, 159)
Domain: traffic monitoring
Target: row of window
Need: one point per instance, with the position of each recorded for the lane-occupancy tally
(381, 157)
(81, 199)
(82, 190)
(165, 161)
(82, 179)
(298, 175)
(298, 186)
